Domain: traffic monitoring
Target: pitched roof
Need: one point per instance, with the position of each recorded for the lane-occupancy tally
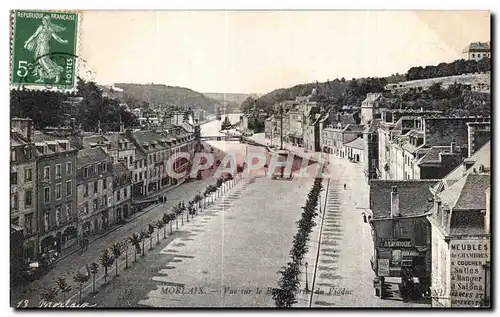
(432, 155)
(53, 143)
(353, 128)
(477, 47)
(91, 140)
(116, 137)
(469, 193)
(481, 157)
(16, 139)
(413, 197)
(90, 156)
(356, 144)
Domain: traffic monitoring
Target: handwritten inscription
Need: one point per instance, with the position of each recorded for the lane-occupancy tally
(47, 304)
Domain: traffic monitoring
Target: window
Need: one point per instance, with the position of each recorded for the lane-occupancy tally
(28, 154)
(104, 167)
(96, 204)
(58, 171)
(131, 160)
(58, 215)
(96, 186)
(46, 221)
(473, 55)
(46, 194)
(86, 190)
(140, 176)
(104, 201)
(58, 191)
(28, 198)
(46, 173)
(118, 195)
(150, 159)
(28, 223)
(13, 155)
(86, 208)
(96, 170)
(135, 177)
(13, 178)
(27, 175)
(86, 172)
(68, 188)
(104, 184)
(135, 165)
(15, 202)
(68, 212)
(125, 192)
(69, 168)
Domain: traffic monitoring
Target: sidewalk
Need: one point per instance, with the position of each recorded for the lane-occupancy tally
(69, 265)
(73, 261)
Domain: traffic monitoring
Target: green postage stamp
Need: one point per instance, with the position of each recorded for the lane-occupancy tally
(44, 48)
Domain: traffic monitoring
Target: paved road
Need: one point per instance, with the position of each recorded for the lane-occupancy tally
(236, 253)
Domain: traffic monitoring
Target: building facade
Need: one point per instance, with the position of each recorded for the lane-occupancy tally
(56, 189)
(461, 232)
(95, 191)
(23, 189)
(477, 50)
(401, 232)
(122, 192)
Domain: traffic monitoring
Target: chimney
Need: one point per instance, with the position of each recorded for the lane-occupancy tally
(487, 215)
(394, 202)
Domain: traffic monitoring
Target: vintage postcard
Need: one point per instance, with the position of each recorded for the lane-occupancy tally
(223, 159)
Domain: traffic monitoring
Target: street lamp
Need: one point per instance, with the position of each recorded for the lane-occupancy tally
(307, 284)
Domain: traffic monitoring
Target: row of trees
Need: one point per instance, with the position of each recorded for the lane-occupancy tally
(455, 100)
(137, 241)
(458, 67)
(289, 283)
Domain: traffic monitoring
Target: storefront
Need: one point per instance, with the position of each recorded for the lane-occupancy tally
(396, 255)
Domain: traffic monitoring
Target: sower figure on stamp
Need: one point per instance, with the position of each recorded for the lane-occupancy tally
(38, 43)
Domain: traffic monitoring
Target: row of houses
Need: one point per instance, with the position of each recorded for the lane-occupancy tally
(304, 123)
(67, 185)
(429, 178)
(437, 231)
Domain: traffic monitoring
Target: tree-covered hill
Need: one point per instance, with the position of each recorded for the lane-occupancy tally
(135, 94)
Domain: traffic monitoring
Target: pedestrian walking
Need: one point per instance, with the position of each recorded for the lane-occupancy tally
(345, 186)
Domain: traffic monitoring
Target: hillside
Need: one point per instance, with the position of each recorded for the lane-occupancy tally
(134, 94)
(332, 93)
(477, 79)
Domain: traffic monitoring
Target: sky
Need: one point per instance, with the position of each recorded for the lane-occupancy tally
(259, 51)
